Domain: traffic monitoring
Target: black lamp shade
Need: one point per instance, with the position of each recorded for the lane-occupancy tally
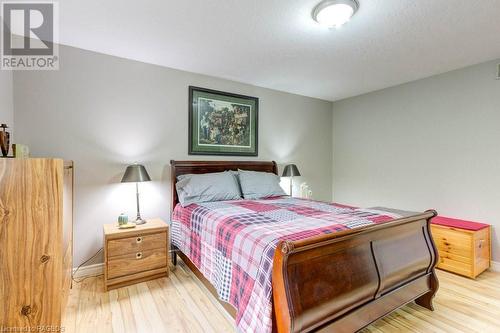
(135, 173)
(291, 170)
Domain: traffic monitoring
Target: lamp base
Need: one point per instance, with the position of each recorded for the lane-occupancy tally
(139, 221)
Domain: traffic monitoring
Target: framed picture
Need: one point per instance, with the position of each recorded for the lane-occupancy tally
(221, 123)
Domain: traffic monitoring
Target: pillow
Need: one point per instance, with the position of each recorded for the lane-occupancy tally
(207, 187)
(189, 175)
(257, 185)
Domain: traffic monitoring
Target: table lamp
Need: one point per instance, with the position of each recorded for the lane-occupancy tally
(291, 171)
(136, 173)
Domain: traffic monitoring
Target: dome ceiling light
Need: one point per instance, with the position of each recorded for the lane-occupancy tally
(334, 13)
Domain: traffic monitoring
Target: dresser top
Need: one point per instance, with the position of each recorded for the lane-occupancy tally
(151, 225)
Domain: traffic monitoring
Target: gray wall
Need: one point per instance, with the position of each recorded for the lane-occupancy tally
(104, 112)
(6, 99)
(433, 143)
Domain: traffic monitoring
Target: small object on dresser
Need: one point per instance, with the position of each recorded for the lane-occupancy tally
(127, 226)
(305, 191)
(123, 222)
(20, 150)
(122, 219)
(4, 140)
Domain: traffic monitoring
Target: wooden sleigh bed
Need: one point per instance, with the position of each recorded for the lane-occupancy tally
(344, 281)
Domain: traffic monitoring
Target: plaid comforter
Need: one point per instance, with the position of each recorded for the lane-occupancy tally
(233, 242)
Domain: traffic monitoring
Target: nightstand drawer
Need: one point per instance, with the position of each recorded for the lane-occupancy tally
(140, 261)
(132, 245)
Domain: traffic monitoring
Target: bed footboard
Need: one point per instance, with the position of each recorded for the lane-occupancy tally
(343, 282)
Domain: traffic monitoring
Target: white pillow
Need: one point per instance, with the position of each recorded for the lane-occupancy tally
(257, 185)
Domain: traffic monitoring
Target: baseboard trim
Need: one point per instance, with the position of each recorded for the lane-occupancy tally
(495, 266)
(89, 270)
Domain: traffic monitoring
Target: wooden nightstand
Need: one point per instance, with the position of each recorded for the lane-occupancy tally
(135, 255)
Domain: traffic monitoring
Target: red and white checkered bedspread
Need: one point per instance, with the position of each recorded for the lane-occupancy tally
(233, 242)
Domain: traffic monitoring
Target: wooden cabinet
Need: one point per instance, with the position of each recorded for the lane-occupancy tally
(135, 255)
(36, 237)
(461, 251)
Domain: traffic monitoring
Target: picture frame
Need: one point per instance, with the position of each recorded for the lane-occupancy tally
(222, 123)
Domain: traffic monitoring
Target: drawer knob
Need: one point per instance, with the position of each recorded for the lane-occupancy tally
(481, 242)
(138, 240)
(44, 259)
(138, 255)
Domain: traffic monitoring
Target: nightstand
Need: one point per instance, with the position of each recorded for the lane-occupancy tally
(135, 255)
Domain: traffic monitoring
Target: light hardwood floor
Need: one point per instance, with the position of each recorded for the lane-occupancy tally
(180, 303)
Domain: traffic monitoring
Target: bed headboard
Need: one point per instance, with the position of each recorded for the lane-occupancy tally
(178, 168)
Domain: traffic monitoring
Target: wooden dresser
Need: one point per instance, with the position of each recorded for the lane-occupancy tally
(135, 255)
(36, 237)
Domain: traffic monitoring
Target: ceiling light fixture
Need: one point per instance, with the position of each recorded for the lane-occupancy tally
(334, 13)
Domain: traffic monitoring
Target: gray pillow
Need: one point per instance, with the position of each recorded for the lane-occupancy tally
(189, 175)
(207, 187)
(257, 185)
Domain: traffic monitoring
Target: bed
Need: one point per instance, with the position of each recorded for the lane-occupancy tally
(337, 277)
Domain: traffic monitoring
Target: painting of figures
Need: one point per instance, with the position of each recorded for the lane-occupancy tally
(222, 123)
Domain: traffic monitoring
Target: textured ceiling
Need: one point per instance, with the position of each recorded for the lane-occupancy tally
(276, 44)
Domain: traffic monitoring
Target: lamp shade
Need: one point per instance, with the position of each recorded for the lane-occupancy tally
(135, 173)
(291, 170)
